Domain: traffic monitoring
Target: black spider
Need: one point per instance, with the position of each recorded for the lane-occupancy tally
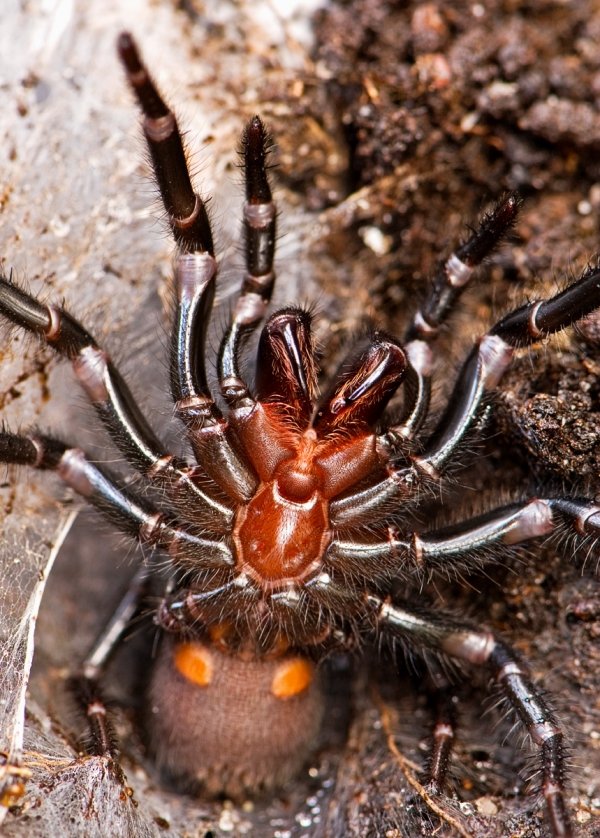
(286, 537)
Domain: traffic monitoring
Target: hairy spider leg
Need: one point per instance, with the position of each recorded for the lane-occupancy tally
(488, 361)
(237, 479)
(453, 275)
(260, 218)
(85, 684)
(187, 609)
(195, 273)
(135, 517)
(97, 657)
(114, 404)
(481, 372)
(101, 739)
(445, 635)
(255, 293)
(186, 211)
(469, 544)
(131, 514)
(440, 700)
(449, 282)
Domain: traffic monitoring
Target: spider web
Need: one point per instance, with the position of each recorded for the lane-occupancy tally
(25, 566)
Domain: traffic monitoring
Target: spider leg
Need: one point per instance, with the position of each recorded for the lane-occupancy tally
(303, 617)
(447, 636)
(449, 282)
(453, 275)
(417, 395)
(195, 273)
(481, 372)
(207, 429)
(102, 739)
(488, 361)
(97, 658)
(443, 738)
(187, 213)
(112, 400)
(184, 610)
(85, 683)
(260, 217)
(128, 512)
(465, 545)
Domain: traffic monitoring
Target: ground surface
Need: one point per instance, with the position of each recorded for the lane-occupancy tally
(395, 127)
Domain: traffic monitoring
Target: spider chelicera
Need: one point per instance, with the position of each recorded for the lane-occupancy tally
(286, 535)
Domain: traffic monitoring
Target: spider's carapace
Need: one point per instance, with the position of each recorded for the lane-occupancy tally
(282, 533)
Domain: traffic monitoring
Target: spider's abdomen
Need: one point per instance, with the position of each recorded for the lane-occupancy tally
(231, 724)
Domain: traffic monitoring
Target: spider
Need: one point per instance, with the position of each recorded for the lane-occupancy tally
(285, 538)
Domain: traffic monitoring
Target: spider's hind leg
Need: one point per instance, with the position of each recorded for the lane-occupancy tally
(445, 635)
(85, 683)
(440, 700)
(101, 739)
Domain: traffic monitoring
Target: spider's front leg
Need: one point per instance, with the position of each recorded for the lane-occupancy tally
(210, 434)
(481, 373)
(449, 282)
(443, 634)
(112, 399)
(195, 274)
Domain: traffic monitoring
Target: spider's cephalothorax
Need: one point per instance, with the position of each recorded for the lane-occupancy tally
(286, 535)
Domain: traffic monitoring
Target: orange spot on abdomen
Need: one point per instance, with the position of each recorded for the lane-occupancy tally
(194, 662)
(292, 677)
